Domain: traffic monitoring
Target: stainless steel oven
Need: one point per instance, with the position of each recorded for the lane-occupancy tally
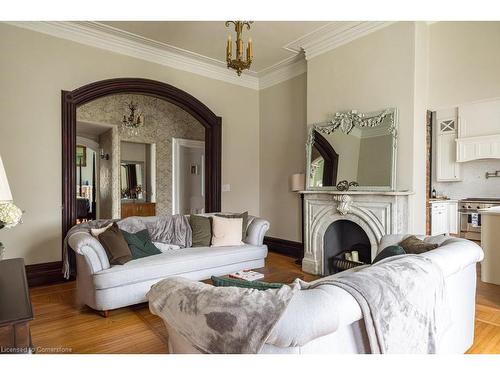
(470, 218)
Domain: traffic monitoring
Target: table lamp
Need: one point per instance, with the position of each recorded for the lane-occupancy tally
(5, 194)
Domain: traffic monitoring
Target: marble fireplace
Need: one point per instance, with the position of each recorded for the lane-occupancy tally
(336, 220)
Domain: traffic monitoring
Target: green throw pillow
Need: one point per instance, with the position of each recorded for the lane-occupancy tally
(229, 281)
(389, 251)
(140, 244)
(201, 226)
(243, 216)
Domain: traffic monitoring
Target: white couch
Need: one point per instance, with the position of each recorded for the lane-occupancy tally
(328, 320)
(104, 287)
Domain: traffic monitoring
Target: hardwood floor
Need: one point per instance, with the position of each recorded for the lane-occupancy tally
(62, 325)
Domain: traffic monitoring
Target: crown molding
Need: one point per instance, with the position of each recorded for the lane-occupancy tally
(283, 71)
(96, 35)
(105, 37)
(333, 35)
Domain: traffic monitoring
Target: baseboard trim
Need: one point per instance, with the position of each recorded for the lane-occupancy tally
(285, 247)
(44, 273)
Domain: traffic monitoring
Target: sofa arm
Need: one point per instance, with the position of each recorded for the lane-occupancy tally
(256, 231)
(91, 249)
(313, 313)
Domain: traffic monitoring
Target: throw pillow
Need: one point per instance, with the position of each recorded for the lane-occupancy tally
(230, 281)
(115, 245)
(389, 251)
(243, 216)
(97, 231)
(226, 232)
(413, 245)
(201, 226)
(140, 244)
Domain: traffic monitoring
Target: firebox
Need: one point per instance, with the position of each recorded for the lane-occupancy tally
(345, 235)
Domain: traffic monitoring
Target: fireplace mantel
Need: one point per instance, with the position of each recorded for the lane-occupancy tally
(356, 192)
(376, 212)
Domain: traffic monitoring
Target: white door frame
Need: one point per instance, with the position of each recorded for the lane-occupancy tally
(176, 146)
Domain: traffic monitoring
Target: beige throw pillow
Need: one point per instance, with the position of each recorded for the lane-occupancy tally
(98, 231)
(226, 232)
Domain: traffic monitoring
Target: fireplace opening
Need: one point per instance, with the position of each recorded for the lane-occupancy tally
(345, 235)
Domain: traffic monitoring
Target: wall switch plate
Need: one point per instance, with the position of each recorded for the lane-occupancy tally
(226, 187)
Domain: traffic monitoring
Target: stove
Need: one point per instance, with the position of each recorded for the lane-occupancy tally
(470, 218)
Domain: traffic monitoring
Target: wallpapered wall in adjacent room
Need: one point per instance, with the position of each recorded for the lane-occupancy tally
(162, 122)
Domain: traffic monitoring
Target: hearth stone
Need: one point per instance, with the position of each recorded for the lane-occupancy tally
(376, 213)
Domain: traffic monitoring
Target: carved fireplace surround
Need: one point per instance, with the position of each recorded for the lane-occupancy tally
(377, 213)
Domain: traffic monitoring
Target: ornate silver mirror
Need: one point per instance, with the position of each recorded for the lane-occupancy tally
(355, 151)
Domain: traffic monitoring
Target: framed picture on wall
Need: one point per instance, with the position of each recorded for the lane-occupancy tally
(81, 156)
(194, 169)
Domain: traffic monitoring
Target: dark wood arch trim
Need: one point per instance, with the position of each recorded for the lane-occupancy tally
(72, 99)
(330, 157)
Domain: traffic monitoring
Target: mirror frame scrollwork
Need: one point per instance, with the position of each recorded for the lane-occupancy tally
(345, 122)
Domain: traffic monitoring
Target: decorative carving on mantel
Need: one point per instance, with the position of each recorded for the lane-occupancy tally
(343, 203)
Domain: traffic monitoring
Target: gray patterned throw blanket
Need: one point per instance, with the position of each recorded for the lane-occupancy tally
(227, 320)
(403, 303)
(171, 229)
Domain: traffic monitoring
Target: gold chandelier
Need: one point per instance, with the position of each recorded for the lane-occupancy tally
(238, 63)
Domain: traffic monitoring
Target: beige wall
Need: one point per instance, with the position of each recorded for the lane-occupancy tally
(36, 67)
(464, 61)
(368, 74)
(282, 153)
(372, 73)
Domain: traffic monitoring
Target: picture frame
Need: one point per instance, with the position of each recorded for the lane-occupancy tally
(81, 156)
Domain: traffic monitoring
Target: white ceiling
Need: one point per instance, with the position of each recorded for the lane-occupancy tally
(208, 38)
(91, 130)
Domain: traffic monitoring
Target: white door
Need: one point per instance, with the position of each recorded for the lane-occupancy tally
(188, 176)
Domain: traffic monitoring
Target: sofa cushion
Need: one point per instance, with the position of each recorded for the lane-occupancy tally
(140, 244)
(176, 262)
(243, 216)
(389, 251)
(115, 245)
(201, 226)
(226, 232)
(413, 245)
(231, 281)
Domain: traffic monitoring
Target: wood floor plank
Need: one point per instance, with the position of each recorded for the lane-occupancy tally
(60, 322)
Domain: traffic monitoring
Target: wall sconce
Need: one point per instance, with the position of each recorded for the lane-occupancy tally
(103, 155)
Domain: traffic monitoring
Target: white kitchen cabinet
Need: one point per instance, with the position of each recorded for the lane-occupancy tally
(453, 217)
(447, 167)
(444, 217)
(479, 131)
(439, 220)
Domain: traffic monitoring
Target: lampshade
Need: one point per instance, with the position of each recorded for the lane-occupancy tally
(297, 182)
(5, 194)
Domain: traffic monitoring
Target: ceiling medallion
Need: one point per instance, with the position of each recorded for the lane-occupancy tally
(239, 64)
(132, 123)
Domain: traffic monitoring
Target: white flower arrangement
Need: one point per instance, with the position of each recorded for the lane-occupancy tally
(10, 215)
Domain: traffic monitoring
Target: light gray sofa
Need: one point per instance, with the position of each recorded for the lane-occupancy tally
(327, 319)
(104, 287)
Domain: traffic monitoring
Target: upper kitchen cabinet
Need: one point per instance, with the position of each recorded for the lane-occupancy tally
(447, 168)
(479, 131)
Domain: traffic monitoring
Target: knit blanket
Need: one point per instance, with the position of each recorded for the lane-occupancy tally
(403, 303)
(220, 320)
(168, 229)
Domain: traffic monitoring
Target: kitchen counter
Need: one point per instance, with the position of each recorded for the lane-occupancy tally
(490, 211)
(490, 242)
